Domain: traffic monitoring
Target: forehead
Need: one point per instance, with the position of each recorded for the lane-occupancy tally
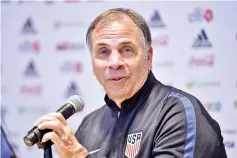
(116, 31)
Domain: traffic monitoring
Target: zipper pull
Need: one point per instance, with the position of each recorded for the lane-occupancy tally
(118, 114)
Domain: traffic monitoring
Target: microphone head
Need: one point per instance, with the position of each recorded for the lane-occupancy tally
(77, 102)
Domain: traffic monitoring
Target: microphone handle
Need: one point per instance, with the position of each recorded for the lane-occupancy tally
(67, 110)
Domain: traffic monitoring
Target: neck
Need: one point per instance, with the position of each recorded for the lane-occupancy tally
(119, 101)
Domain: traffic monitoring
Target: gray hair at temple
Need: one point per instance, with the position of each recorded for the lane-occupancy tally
(116, 14)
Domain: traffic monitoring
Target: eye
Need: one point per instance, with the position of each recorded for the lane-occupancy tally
(103, 51)
(127, 50)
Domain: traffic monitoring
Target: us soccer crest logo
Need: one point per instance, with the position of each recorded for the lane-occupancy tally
(133, 144)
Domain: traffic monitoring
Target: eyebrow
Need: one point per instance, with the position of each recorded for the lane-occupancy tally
(104, 44)
(127, 42)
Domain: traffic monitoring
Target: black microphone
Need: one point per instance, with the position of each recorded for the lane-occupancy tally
(73, 104)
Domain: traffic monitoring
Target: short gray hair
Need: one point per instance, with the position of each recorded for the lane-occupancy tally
(115, 14)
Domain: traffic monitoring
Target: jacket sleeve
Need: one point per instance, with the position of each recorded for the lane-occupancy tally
(187, 130)
(171, 134)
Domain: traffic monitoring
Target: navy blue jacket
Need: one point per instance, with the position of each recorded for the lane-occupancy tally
(159, 121)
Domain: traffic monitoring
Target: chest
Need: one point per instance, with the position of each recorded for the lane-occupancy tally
(129, 135)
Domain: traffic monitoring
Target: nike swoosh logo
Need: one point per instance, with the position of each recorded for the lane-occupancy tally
(94, 151)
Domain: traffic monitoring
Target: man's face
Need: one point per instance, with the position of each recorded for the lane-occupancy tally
(118, 58)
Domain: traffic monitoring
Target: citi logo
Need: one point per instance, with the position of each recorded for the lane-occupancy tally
(207, 61)
(28, 46)
(65, 46)
(202, 40)
(71, 66)
(200, 15)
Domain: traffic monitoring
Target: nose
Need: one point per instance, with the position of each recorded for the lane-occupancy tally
(115, 61)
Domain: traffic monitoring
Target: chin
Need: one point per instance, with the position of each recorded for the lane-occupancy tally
(117, 92)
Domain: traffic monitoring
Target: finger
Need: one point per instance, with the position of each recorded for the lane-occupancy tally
(51, 136)
(55, 125)
(59, 116)
(47, 117)
(51, 116)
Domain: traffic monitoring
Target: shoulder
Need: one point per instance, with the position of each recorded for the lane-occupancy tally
(93, 117)
(183, 101)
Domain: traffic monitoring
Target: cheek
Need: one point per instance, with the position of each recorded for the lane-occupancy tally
(137, 65)
(98, 70)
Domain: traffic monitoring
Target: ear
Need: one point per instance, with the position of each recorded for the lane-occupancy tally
(149, 56)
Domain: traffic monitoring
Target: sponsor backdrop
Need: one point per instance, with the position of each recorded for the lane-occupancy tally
(45, 60)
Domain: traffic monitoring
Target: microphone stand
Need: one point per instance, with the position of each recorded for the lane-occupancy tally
(47, 148)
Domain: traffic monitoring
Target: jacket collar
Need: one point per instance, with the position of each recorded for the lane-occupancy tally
(130, 103)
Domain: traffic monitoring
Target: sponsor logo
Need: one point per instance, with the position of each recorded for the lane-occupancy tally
(164, 64)
(71, 1)
(28, 27)
(71, 66)
(72, 89)
(133, 144)
(202, 40)
(201, 84)
(5, 1)
(207, 61)
(32, 109)
(31, 89)
(200, 15)
(49, 2)
(160, 40)
(235, 104)
(28, 46)
(30, 70)
(213, 106)
(229, 144)
(4, 111)
(65, 46)
(3, 89)
(156, 21)
(67, 24)
(229, 131)
(23, 1)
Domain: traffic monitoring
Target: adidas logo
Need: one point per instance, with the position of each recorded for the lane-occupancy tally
(28, 27)
(72, 89)
(30, 70)
(156, 21)
(202, 40)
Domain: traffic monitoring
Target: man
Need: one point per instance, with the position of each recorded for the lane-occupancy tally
(142, 117)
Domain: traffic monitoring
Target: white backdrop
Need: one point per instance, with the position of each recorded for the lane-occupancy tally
(45, 59)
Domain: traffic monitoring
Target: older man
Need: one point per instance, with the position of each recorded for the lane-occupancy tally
(142, 117)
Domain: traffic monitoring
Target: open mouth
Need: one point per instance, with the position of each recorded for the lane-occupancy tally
(117, 78)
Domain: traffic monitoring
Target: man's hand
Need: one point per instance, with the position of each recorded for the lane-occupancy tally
(62, 136)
